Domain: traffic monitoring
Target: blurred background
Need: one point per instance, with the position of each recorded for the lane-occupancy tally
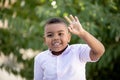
(21, 34)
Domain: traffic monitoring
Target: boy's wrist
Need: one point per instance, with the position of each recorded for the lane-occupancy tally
(82, 33)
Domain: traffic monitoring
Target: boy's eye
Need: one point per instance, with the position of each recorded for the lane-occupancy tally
(49, 35)
(61, 34)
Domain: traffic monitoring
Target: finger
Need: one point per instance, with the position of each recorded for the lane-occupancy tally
(68, 19)
(69, 28)
(76, 18)
(72, 18)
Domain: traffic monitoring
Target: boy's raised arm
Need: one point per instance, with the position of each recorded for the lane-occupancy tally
(97, 48)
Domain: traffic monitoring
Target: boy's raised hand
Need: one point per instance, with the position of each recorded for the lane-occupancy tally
(75, 27)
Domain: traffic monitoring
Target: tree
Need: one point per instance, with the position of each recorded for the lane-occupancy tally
(22, 23)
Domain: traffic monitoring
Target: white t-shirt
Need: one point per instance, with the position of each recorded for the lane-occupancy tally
(70, 65)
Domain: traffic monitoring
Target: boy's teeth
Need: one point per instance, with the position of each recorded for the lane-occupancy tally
(56, 44)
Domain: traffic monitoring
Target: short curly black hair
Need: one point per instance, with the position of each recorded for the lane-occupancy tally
(55, 20)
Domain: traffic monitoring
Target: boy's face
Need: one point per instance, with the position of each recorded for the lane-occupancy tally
(56, 36)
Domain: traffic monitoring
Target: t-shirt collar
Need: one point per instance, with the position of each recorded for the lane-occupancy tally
(66, 51)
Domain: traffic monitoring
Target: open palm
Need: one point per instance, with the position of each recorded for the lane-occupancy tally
(75, 27)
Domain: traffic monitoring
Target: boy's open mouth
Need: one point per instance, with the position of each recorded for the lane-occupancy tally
(56, 44)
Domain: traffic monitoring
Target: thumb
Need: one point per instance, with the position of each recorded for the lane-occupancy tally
(69, 28)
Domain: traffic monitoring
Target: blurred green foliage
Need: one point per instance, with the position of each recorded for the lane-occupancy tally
(26, 20)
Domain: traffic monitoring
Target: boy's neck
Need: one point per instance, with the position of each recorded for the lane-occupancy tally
(60, 52)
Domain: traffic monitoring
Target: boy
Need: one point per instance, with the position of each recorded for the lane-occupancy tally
(63, 61)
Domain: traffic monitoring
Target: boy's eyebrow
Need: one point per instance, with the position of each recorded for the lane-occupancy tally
(49, 32)
(58, 31)
(61, 31)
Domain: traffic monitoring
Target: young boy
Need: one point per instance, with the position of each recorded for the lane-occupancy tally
(63, 61)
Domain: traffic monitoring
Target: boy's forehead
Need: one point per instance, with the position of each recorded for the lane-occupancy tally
(62, 24)
(55, 26)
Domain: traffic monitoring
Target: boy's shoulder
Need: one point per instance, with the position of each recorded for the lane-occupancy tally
(78, 45)
(42, 54)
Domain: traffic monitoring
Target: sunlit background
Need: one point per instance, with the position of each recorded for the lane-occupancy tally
(21, 34)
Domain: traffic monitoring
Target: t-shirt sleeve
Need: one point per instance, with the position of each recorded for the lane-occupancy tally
(38, 71)
(84, 53)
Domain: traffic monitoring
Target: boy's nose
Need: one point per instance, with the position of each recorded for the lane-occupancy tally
(56, 37)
